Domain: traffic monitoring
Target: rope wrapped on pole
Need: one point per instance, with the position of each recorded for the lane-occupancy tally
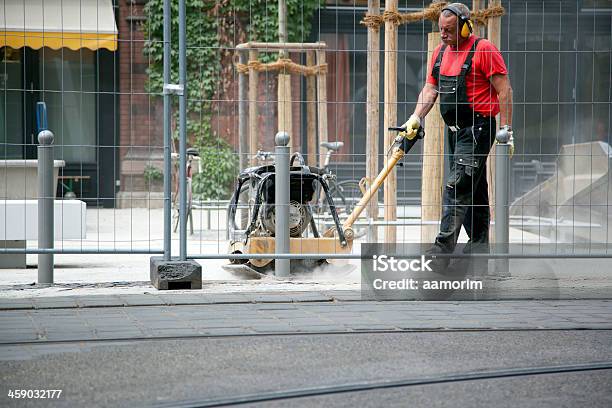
(432, 13)
(283, 65)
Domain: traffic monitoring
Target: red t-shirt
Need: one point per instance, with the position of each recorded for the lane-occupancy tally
(487, 61)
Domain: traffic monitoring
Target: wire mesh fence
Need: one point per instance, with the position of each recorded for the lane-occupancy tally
(99, 67)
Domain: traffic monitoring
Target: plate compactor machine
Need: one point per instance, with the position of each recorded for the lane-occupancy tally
(252, 207)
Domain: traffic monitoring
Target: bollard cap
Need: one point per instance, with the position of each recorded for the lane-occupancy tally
(502, 136)
(281, 139)
(45, 137)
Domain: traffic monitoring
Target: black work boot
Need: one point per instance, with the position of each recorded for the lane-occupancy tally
(477, 265)
(438, 264)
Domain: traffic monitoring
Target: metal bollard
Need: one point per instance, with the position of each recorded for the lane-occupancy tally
(502, 187)
(281, 202)
(46, 195)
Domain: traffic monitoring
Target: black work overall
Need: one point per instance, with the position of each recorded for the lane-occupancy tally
(470, 137)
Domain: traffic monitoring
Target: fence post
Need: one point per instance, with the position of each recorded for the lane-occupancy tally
(502, 183)
(281, 202)
(167, 137)
(182, 134)
(46, 195)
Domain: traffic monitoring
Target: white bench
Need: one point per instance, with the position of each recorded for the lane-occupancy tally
(19, 223)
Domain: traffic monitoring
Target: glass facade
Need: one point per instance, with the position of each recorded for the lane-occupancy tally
(66, 81)
(69, 84)
(11, 104)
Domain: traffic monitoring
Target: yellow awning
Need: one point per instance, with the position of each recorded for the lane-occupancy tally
(56, 24)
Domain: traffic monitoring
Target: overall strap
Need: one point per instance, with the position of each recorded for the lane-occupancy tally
(468, 60)
(435, 72)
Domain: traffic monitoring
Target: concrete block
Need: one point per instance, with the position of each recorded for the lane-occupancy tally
(173, 274)
(13, 261)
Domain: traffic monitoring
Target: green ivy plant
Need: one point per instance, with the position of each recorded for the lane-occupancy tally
(152, 174)
(213, 29)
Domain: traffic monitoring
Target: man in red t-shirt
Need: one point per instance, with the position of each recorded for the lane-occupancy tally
(471, 78)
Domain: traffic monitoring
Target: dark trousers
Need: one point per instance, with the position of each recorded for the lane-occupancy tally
(466, 199)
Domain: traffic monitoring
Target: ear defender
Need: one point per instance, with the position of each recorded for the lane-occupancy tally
(467, 28)
(465, 24)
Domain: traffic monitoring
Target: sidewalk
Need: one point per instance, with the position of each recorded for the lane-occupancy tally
(91, 318)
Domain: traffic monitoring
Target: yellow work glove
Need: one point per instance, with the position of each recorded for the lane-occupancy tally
(412, 126)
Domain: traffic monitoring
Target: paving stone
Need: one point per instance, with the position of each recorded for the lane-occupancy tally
(174, 332)
(321, 328)
(15, 304)
(99, 301)
(217, 325)
(230, 299)
(141, 300)
(170, 325)
(75, 336)
(17, 325)
(119, 334)
(309, 297)
(375, 326)
(276, 306)
(7, 337)
(226, 331)
(268, 297)
(344, 295)
(47, 304)
(180, 299)
(274, 329)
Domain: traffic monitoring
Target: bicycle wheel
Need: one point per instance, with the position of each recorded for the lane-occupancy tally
(346, 195)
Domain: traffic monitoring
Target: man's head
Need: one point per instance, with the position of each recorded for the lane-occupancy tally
(451, 22)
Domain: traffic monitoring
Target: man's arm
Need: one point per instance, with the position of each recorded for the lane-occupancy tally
(426, 101)
(501, 83)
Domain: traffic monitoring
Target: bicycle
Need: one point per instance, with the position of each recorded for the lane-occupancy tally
(346, 194)
(191, 169)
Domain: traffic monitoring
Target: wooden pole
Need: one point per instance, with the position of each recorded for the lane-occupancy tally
(322, 105)
(243, 141)
(243, 130)
(390, 118)
(372, 117)
(282, 46)
(282, 25)
(433, 159)
(477, 5)
(253, 111)
(311, 112)
(494, 35)
(285, 122)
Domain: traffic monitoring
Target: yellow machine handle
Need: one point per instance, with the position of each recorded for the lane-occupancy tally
(380, 179)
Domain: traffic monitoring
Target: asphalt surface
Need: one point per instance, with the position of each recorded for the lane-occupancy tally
(163, 372)
(555, 390)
